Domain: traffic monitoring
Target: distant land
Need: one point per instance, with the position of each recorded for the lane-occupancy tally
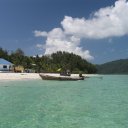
(113, 67)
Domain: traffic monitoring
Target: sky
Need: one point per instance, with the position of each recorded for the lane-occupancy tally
(97, 30)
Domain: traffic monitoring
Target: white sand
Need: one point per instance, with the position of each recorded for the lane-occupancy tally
(19, 76)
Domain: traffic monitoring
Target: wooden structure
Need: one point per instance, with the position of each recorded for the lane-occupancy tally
(61, 78)
(19, 68)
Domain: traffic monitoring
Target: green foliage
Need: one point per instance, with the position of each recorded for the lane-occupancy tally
(65, 60)
(114, 67)
(3, 53)
(51, 63)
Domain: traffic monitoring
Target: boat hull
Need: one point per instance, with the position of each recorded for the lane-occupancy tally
(61, 78)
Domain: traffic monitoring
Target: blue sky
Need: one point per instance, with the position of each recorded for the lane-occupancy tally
(44, 26)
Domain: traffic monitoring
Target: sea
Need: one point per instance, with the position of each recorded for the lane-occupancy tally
(96, 102)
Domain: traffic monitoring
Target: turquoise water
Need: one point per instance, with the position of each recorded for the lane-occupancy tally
(92, 103)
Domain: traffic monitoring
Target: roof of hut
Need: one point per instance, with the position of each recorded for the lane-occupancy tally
(5, 62)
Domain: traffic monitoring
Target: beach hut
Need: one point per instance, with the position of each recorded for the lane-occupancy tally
(19, 68)
(5, 65)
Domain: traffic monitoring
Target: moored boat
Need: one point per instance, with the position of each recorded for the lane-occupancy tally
(61, 78)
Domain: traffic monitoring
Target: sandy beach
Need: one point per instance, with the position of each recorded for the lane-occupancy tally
(19, 76)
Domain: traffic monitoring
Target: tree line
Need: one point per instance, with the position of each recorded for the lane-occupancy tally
(49, 63)
(114, 67)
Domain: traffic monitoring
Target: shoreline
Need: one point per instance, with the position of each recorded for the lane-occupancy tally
(33, 76)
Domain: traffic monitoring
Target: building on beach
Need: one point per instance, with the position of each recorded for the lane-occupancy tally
(19, 69)
(5, 65)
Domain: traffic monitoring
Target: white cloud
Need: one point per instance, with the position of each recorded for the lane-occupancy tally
(105, 23)
(57, 40)
(40, 46)
(40, 33)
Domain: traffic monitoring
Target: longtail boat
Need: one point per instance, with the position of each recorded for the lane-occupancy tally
(60, 77)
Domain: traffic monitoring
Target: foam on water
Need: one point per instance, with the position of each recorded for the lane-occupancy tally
(92, 103)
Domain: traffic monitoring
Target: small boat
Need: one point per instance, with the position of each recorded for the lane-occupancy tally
(60, 77)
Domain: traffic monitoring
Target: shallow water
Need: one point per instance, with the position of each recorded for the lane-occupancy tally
(92, 103)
